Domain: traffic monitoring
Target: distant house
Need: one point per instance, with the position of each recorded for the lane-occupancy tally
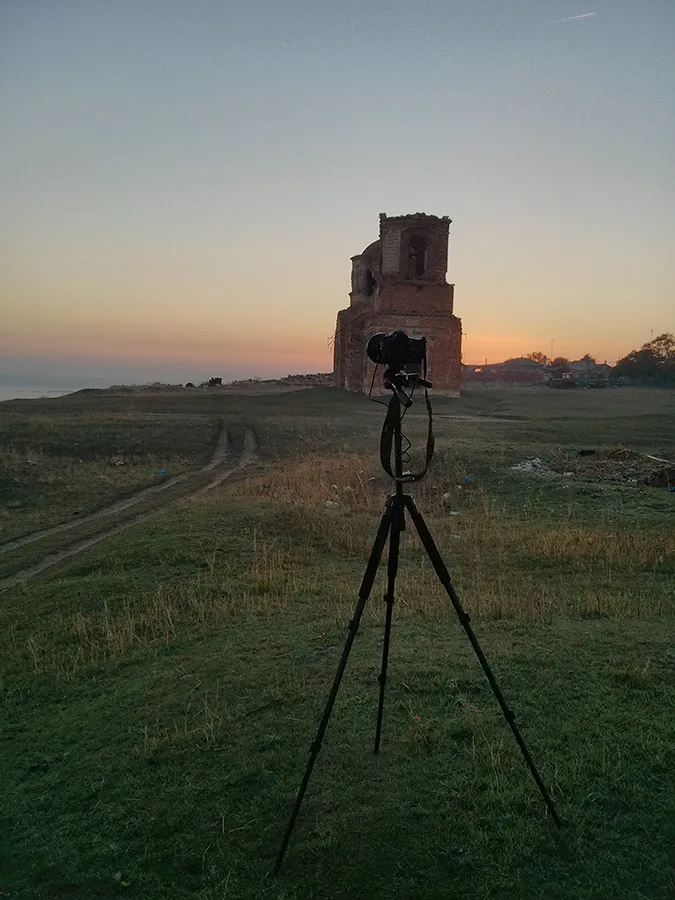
(588, 373)
(583, 366)
(521, 370)
(588, 367)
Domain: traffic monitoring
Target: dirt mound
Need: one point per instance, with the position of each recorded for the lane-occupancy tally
(619, 464)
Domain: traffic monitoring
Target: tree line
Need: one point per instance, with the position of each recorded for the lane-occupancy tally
(653, 363)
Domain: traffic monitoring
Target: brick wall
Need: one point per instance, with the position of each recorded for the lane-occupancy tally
(412, 297)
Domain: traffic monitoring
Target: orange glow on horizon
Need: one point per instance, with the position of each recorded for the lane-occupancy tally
(495, 348)
(288, 353)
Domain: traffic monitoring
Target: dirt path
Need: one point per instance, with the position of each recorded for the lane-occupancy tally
(219, 456)
(467, 418)
(246, 457)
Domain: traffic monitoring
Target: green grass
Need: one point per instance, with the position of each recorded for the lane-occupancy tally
(62, 463)
(159, 693)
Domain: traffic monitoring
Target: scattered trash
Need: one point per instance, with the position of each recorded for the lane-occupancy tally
(534, 466)
(447, 501)
(620, 464)
(671, 489)
(333, 504)
(160, 472)
(468, 479)
(664, 477)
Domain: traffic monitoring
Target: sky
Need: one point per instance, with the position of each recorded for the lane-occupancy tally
(185, 181)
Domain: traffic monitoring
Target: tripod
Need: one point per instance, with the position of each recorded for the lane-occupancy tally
(393, 522)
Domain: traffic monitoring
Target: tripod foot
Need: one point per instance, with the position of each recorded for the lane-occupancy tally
(364, 593)
(465, 620)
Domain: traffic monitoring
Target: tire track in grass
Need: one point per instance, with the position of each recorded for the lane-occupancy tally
(219, 456)
(247, 456)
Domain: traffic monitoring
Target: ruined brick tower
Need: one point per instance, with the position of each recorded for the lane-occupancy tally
(398, 282)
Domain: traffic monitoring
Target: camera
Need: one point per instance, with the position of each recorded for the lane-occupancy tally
(397, 349)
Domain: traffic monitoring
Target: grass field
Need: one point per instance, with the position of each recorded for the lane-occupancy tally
(159, 691)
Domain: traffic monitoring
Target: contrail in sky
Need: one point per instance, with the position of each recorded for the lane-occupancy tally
(572, 18)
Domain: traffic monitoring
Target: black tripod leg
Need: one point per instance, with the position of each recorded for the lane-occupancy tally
(444, 577)
(364, 593)
(392, 569)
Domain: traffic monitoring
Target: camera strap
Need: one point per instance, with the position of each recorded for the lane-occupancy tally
(392, 419)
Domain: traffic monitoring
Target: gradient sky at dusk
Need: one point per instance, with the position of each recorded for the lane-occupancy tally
(184, 182)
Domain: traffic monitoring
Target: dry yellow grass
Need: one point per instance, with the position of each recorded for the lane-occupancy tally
(507, 563)
(315, 479)
(504, 565)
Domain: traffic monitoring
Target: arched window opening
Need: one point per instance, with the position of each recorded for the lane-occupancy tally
(370, 283)
(417, 255)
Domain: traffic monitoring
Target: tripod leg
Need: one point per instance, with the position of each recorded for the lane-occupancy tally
(392, 569)
(364, 593)
(444, 577)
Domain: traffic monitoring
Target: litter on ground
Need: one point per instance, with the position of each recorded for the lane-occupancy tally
(619, 465)
(534, 466)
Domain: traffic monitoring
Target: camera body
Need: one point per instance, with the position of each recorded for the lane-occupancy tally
(397, 350)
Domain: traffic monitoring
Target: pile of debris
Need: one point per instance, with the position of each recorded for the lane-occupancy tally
(620, 464)
(534, 466)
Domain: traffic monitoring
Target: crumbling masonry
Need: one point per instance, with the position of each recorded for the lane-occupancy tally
(398, 282)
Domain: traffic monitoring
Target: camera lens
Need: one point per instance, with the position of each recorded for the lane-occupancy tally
(375, 348)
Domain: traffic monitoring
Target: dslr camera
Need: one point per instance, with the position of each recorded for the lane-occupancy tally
(397, 350)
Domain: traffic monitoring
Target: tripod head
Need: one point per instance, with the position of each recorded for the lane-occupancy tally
(396, 379)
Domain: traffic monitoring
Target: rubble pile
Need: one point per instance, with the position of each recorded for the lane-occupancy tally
(619, 464)
(534, 466)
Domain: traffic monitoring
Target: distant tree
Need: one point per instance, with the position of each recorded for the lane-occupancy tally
(537, 356)
(562, 363)
(663, 348)
(587, 358)
(655, 361)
